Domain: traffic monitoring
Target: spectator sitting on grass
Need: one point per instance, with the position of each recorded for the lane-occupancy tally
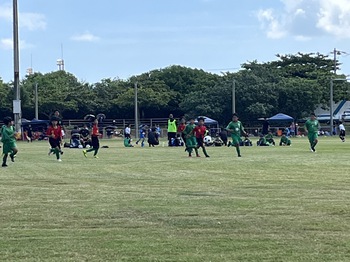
(285, 141)
(262, 141)
(269, 138)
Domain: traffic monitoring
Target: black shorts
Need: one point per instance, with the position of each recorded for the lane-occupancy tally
(95, 143)
(127, 136)
(342, 133)
(200, 141)
(55, 142)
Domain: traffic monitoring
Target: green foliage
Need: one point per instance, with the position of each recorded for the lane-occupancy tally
(293, 84)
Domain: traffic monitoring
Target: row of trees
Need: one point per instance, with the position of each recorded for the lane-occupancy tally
(293, 84)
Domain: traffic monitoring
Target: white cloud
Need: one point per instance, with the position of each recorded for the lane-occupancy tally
(7, 44)
(334, 17)
(304, 19)
(273, 25)
(30, 21)
(86, 37)
(6, 12)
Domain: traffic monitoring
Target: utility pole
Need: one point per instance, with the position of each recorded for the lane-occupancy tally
(335, 53)
(233, 96)
(17, 99)
(36, 102)
(233, 93)
(136, 112)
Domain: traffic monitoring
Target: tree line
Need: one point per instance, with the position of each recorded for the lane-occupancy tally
(292, 84)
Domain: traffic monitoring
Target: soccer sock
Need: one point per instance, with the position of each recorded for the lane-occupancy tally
(238, 150)
(96, 150)
(204, 151)
(57, 153)
(90, 150)
(196, 150)
(4, 159)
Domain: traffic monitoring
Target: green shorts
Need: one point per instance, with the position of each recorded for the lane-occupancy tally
(191, 142)
(312, 137)
(235, 139)
(8, 147)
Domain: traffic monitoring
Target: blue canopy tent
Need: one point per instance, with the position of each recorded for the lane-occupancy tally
(281, 118)
(282, 121)
(35, 125)
(209, 121)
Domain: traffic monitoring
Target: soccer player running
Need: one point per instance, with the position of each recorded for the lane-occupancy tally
(95, 143)
(9, 141)
(200, 132)
(54, 132)
(191, 142)
(312, 126)
(236, 128)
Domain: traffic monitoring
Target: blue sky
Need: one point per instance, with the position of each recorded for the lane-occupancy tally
(121, 38)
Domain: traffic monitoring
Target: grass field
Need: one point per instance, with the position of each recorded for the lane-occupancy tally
(156, 204)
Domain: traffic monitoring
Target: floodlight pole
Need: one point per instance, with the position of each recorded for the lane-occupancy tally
(17, 98)
(136, 112)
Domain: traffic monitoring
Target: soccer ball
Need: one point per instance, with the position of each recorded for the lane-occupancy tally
(207, 139)
(80, 146)
(87, 146)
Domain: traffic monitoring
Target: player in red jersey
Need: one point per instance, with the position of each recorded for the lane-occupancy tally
(95, 143)
(200, 131)
(54, 132)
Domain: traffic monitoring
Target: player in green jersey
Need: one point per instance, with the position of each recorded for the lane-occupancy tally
(9, 141)
(191, 142)
(312, 126)
(236, 128)
(285, 141)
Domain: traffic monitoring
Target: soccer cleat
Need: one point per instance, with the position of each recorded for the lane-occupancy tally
(207, 156)
(229, 144)
(61, 152)
(198, 156)
(239, 156)
(96, 157)
(59, 160)
(49, 152)
(12, 158)
(84, 153)
(4, 165)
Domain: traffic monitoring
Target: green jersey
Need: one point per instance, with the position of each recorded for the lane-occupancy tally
(269, 136)
(188, 130)
(312, 126)
(8, 134)
(236, 128)
(285, 140)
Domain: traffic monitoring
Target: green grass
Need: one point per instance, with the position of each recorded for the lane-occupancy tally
(156, 204)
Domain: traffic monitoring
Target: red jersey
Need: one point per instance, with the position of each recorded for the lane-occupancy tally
(200, 131)
(181, 128)
(56, 132)
(95, 131)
